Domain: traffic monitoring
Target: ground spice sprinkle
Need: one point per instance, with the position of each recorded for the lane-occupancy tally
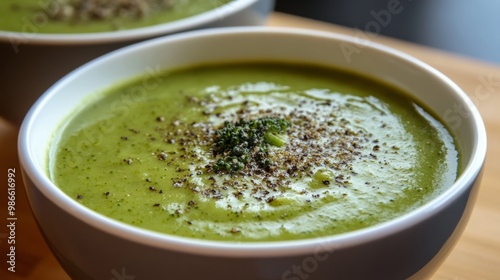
(308, 144)
(78, 10)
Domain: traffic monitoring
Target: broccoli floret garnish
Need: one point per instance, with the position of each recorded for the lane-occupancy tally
(247, 141)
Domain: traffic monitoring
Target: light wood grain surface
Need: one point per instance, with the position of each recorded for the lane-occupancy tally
(476, 256)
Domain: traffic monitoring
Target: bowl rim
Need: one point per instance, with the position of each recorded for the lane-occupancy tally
(471, 170)
(133, 34)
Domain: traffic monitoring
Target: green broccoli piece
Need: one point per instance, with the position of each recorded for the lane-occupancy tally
(247, 141)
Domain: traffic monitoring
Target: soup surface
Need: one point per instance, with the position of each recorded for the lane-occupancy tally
(253, 152)
(62, 16)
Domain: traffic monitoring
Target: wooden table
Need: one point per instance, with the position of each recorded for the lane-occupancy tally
(477, 254)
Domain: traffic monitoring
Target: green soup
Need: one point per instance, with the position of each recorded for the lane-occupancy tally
(356, 153)
(36, 16)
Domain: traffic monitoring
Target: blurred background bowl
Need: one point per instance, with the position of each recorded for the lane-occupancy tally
(91, 246)
(31, 61)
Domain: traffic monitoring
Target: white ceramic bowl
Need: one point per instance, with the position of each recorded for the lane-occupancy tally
(91, 246)
(32, 62)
